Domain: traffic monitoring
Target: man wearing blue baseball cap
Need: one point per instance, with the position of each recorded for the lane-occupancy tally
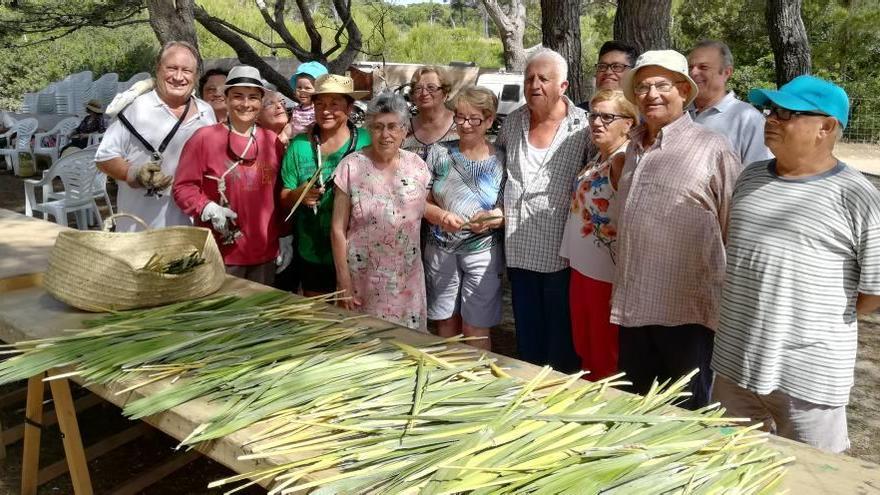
(803, 259)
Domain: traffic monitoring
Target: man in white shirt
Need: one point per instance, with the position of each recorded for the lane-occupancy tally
(711, 64)
(142, 146)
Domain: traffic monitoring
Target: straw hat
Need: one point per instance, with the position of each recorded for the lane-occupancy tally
(670, 60)
(336, 84)
(95, 106)
(246, 76)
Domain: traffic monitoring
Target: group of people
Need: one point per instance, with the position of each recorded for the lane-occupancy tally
(661, 227)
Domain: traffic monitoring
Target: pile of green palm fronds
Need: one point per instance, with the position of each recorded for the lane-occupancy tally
(357, 411)
(177, 266)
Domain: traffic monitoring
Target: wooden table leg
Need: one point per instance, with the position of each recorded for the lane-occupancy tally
(30, 461)
(73, 447)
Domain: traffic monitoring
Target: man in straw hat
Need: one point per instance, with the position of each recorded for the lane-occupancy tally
(802, 261)
(308, 166)
(228, 181)
(674, 192)
(142, 146)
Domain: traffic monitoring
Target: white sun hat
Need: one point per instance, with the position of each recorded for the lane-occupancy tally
(670, 60)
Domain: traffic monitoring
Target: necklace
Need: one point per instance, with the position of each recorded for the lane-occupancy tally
(251, 139)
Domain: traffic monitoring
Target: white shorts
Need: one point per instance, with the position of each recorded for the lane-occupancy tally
(468, 283)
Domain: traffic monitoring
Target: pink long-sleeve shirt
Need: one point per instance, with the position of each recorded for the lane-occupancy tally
(252, 189)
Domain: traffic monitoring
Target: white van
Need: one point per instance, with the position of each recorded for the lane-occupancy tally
(508, 87)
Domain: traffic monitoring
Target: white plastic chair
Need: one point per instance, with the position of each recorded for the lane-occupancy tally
(77, 172)
(95, 139)
(29, 103)
(61, 131)
(24, 130)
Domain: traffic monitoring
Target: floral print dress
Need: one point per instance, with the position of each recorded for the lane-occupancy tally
(384, 257)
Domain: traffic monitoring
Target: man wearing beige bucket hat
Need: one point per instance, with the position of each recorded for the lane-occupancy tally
(314, 155)
(674, 192)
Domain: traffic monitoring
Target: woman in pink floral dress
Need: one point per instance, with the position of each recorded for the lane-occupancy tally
(589, 240)
(377, 211)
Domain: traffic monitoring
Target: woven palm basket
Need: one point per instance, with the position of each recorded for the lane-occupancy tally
(104, 271)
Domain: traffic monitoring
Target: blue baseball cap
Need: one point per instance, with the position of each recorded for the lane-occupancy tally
(807, 94)
(311, 69)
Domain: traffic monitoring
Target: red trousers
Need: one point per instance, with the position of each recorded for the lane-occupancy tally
(594, 336)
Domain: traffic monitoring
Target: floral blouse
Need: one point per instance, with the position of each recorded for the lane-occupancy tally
(590, 237)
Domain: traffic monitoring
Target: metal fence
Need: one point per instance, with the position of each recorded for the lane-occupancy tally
(864, 121)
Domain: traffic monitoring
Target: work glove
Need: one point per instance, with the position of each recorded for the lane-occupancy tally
(218, 216)
(160, 181)
(142, 177)
(285, 253)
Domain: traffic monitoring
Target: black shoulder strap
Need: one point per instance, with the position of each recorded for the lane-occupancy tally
(168, 137)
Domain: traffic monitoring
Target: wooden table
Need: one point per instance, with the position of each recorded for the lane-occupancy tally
(27, 312)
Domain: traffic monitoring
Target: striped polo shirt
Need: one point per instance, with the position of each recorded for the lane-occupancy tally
(799, 252)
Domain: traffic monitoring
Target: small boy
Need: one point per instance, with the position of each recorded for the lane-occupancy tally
(303, 83)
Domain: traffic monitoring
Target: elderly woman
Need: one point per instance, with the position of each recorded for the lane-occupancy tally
(430, 88)
(380, 200)
(273, 116)
(463, 256)
(316, 154)
(227, 180)
(590, 237)
(211, 86)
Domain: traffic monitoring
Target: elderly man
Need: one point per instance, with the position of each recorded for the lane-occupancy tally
(545, 145)
(674, 193)
(142, 146)
(711, 65)
(803, 260)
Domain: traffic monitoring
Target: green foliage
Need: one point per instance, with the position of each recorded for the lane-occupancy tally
(126, 51)
(439, 45)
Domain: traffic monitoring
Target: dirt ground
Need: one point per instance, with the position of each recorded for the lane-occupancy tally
(131, 460)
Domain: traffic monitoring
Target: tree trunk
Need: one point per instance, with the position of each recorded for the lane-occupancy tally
(172, 20)
(788, 38)
(561, 31)
(643, 23)
(511, 26)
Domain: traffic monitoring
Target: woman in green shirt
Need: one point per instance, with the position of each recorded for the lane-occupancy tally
(331, 139)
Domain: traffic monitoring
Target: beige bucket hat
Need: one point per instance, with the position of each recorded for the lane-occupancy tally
(670, 60)
(95, 106)
(336, 84)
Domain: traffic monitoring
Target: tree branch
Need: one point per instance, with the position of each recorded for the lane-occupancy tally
(245, 53)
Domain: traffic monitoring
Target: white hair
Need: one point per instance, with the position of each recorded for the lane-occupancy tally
(552, 56)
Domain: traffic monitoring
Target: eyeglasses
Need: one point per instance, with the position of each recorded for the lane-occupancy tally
(661, 87)
(786, 114)
(430, 89)
(616, 67)
(380, 128)
(606, 118)
(473, 121)
(272, 103)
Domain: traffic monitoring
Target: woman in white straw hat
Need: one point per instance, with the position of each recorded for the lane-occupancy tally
(227, 180)
(310, 162)
(93, 122)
